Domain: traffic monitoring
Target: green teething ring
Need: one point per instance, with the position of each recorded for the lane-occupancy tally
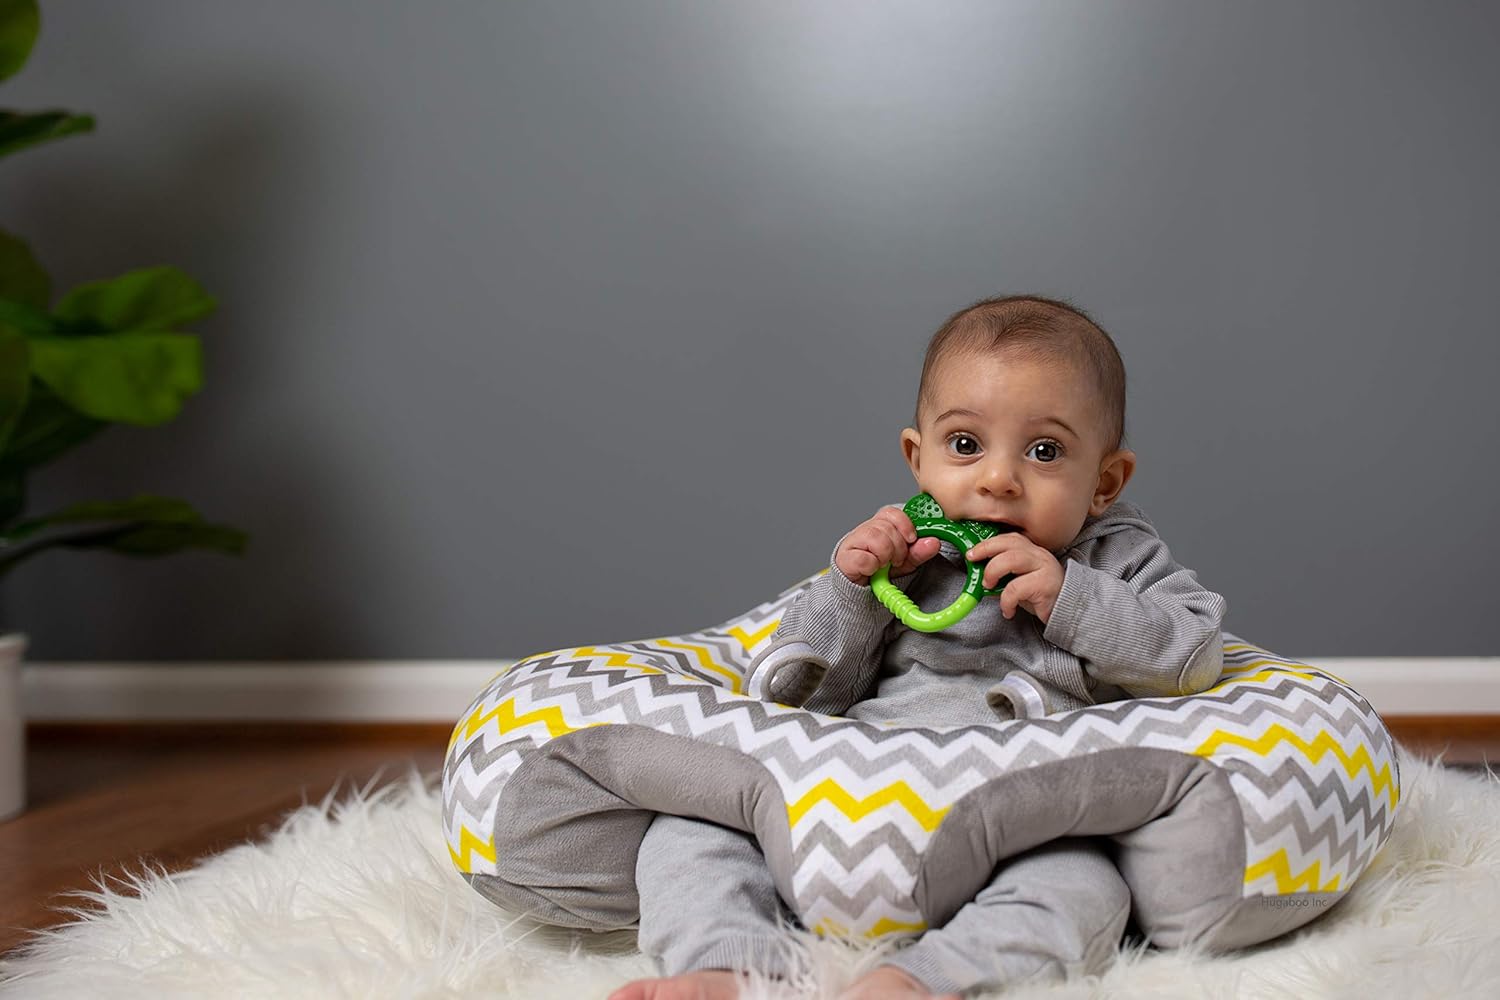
(927, 517)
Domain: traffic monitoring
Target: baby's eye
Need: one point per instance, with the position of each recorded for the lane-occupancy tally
(964, 445)
(1046, 451)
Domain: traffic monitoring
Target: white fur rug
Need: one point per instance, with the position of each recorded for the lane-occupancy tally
(355, 897)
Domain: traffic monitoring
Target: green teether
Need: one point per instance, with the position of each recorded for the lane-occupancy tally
(927, 517)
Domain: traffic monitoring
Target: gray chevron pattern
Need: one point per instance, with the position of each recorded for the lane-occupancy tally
(1310, 763)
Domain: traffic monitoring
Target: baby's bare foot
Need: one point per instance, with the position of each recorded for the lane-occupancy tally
(704, 984)
(886, 982)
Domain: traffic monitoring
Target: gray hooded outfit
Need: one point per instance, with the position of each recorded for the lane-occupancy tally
(1128, 621)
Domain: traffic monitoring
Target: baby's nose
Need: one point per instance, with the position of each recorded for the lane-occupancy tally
(1000, 476)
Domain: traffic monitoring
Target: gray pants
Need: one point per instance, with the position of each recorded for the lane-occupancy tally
(708, 902)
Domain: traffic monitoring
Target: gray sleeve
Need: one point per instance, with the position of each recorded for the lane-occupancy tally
(845, 624)
(1136, 618)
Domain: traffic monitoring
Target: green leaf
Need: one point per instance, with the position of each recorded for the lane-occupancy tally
(143, 526)
(47, 428)
(19, 23)
(21, 277)
(154, 298)
(18, 129)
(144, 508)
(29, 320)
(165, 539)
(128, 378)
(15, 380)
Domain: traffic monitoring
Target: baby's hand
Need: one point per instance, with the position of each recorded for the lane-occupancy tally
(1039, 576)
(887, 538)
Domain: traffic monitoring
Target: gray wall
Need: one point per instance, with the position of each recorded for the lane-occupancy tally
(555, 323)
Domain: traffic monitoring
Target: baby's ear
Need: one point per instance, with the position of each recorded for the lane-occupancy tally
(1114, 472)
(911, 449)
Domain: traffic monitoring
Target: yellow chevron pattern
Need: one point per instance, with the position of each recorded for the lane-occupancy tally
(616, 660)
(1259, 675)
(828, 927)
(470, 845)
(1279, 855)
(1287, 881)
(1360, 760)
(1245, 647)
(897, 793)
(1285, 668)
(705, 660)
(885, 925)
(506, 719)
(749, 639)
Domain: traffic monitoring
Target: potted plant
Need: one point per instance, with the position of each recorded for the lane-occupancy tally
(107, 352)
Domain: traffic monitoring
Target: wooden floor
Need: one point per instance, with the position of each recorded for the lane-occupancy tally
(104, 798)
(107, 798)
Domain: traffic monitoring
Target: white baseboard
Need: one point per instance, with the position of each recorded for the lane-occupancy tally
(321, 691)
(439, 690)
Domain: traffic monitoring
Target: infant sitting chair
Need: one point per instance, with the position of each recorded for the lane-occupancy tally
(1235, 815)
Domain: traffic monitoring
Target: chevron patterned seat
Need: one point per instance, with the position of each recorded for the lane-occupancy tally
(1235, 815)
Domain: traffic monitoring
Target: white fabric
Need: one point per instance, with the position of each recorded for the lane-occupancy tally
(358, 898)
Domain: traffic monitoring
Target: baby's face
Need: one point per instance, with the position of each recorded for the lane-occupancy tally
(1015, 441)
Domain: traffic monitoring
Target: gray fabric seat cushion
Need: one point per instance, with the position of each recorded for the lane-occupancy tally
(1236, 814)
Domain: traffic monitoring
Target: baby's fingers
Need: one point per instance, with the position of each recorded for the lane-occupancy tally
(886, 542)
(874, 544)
(996, 544)
(858, 564)
(1015, 562)
(1018, 590)
(890, 541)
(916, 555)
(896, 517)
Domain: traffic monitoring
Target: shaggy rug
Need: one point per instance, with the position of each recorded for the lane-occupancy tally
(355, 897)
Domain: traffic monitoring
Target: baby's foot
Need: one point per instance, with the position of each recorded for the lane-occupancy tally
(703, 984)
(887, 982)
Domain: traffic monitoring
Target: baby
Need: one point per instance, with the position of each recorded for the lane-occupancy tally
(1020, 419)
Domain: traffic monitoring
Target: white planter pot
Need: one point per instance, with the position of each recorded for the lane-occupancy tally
(12, 727)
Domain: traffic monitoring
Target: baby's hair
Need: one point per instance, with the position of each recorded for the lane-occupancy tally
(1038, 329)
